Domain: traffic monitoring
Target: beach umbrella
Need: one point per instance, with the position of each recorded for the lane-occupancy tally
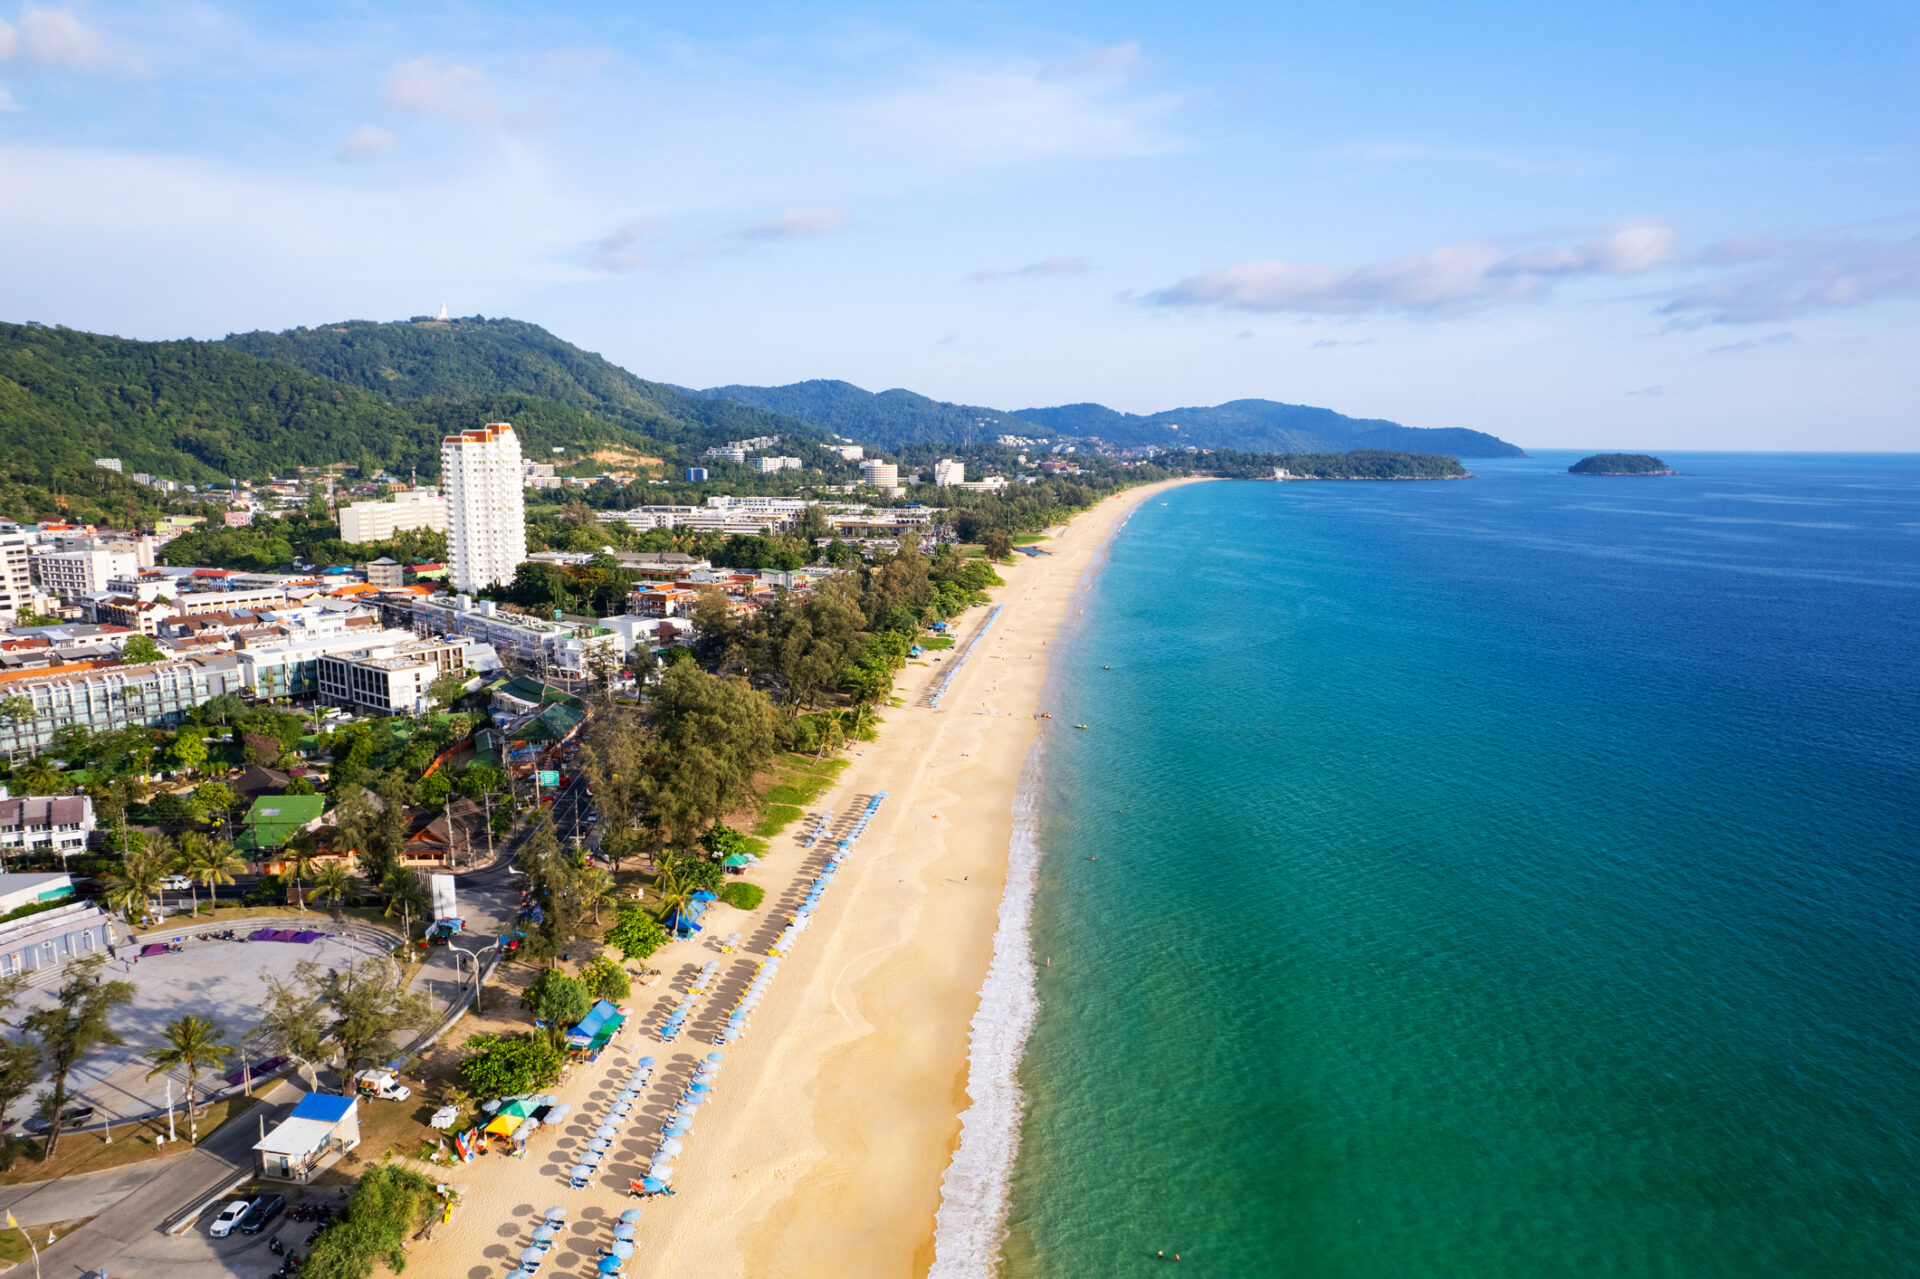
(652, 1185)
(491, 1105)
(531, 1256)
(606, 1130)
(644, 1061)
(630, 1216)
(581, 1172)
(559, 1112)
(696, 1099)
(545, 1100)
(545, 1234)
(670, 1147)
(598, 1145)
(678, 1128)
(556, 1215)
(663, 1171)
(716, 1058)
(610, 1265)
(622, 1248)
(698, 1088)
(624, 1232)
(625, 1094)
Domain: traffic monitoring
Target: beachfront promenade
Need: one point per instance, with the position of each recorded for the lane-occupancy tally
(820, 1145)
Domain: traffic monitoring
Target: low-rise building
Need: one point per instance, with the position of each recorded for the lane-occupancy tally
(54, 937)
(392, 679)
(290, 666)
(321, 1128)
(157, 695)
(71, 574)
(385, 572)
(526, 642)
(362, 522)
(32, 890)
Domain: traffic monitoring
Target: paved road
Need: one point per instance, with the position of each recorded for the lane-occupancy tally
(167, 1187)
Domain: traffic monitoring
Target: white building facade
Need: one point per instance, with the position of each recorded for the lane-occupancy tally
(486, 513)
(879, 475)
(378, 521)
(947, 472)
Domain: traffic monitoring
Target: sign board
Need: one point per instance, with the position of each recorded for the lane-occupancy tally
(443, 897)
(549, 777)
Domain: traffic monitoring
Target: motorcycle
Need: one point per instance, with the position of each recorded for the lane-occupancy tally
(276, 1247)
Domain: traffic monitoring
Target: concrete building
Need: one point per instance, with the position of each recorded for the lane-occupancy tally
(16, 576)
(54, 937)
(392, 679)
(770, 465)
(194, 603)
(879, 475)
(696, 475)
(108, 464)
(849, 452)
(71, 574)
(111, 698)
(291, 667)
(385, 573)
(379, 521)
(42, 824)
(486, 513)
(528, 643)
(947, 472)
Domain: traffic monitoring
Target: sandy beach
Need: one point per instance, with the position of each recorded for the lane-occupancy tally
(835, 1116)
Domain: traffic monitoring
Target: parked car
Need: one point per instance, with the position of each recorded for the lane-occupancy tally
(71, 1117)
(264, 1209)
(176, 883)
(229, 1218)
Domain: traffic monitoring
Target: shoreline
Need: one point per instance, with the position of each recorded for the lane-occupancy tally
(824, 1150)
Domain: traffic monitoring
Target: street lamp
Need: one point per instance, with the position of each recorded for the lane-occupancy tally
(479, 973)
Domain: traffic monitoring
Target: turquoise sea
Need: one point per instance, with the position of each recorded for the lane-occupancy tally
(1511, 877)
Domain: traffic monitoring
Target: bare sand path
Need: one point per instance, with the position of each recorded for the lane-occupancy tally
(835, 1116)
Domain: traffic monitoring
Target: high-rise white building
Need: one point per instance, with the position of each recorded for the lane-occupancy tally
(879, 475)
(486, 518)
(947, 471)
(16, 577)
(378, 521)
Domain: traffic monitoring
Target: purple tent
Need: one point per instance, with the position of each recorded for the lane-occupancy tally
(260, 934)
(283, 934)
(154, 948)
(308, 936)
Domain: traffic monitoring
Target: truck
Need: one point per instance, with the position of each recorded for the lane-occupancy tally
(381, 1083)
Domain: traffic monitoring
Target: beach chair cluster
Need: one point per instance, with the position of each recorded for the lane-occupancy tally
(819, 832)
(689, 999)
(679, 1126)
(623, 1109)
(802, 917)
(742, 1011)
(614, 1254)
(953, 667)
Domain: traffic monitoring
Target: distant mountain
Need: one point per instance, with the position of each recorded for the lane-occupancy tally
(473, 361)
(1266, 426)
(889, 419)
(893, 419)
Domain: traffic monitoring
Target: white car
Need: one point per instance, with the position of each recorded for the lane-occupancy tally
(229, 1218)
(176, 883)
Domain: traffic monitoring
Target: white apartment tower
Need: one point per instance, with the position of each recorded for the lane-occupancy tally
(880, 475)
(948, 472)
(486, 521)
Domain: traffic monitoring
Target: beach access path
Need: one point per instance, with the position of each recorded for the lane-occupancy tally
(823, 1148)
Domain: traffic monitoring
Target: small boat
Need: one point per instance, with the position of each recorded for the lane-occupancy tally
(1079, 725)
(1106, 668)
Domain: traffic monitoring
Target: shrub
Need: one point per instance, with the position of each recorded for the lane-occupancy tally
(557, 999)
(389, 1204)
(605, 979)
(744, 895)
(503, 1066)
(635, 933)
(724, 841)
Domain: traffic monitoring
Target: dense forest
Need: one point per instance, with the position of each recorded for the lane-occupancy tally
(1620, 464)
(889, 419)
(1356, 464)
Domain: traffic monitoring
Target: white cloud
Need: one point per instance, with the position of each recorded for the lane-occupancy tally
(423, 86)
(1327, 342)
(1024, 110)
(1754, 344)
(795, 224)
(1120, 59)
(1452, 277)
(1770, 280)
(366, 142)
(52, 37)
(1060, 265)
(615, 251)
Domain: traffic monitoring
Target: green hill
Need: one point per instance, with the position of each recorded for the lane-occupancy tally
(451, 366)
(895, 419)
(1620, 464)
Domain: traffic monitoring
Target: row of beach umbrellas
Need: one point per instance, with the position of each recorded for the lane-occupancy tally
(677, 1018)
(621, 1109)
(613, 1257)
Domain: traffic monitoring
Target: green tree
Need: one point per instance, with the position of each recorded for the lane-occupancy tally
(712, 736)
(406, 897)
(390, 1203)
(433, 790)
(635, 933)
(142, 868)
(605, 979)
(70, 1030)
(188, 751)
(191, 1043)
(38, 776)
(18, 712)
(139, 650)
(557, 999)
(505, 1066)
(369, 1004)
(301, 857)
(288, 1026)
(448, 689)
(207, 863)
(997, 544)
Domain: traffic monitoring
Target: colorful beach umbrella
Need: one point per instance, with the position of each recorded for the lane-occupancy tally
(545, 1234)
(630, 1216)
(531, 1256)
(624, 1232)
(610, 1265)
(622, 1248)
(556, 1214)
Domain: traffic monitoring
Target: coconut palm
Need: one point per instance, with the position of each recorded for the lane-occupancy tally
(675, 893)
(595, 888)
(15, 710)
(300, 858)
(406, 896)
(332, 883)
(141, 871)
(38, 777)
(206, 863)
(193, 1043)
(833, 735)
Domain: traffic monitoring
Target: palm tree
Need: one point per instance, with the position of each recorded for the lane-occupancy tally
(859, 721)
(207, 863)
(333, 883)
(141, 872)
(300, 858)
(406, 894)
(595, 888)
(833, 735)
(38, 776)
(16, 710)
(675, 893)
(192, 1042)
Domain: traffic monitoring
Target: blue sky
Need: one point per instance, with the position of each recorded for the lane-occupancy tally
(1659, 226)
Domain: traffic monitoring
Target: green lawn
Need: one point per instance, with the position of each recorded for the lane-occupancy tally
(799, 780)
(1028, 539)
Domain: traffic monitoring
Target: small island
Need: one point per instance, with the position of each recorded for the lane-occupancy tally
(1620, 464)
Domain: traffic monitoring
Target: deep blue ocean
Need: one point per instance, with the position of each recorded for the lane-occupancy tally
(1509, 877)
